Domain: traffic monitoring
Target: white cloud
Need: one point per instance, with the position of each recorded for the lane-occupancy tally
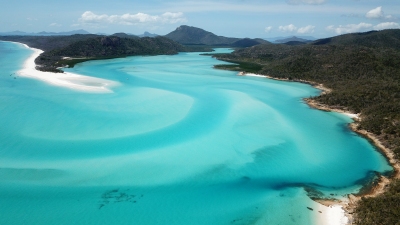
(268, 29)
(302, 6)
(89, 17)
(387, 25)
(170, 17)
(390, 17)
(292, 28)
(288, 28)
(55, 25)
(306, 30)
(309, 2)
(349, 28)
(376, 13)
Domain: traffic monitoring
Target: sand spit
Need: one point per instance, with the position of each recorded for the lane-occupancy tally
(66, 79)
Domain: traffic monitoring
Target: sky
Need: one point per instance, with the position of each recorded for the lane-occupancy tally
(234, 18)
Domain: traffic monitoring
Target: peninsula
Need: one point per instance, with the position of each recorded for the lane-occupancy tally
(66, 51)
(361, 70)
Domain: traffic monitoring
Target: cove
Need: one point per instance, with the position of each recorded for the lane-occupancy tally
(176, 142)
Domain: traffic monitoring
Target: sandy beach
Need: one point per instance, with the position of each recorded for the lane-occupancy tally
(340, 212)
(66, 79)
(331, 215)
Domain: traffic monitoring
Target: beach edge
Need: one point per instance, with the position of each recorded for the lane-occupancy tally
(350, 204)
(76, 82)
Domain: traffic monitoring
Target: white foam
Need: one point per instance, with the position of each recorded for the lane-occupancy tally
(66, 79)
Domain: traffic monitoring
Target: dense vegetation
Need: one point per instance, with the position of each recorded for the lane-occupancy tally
(193, 35)
(292, 39)
(108, 47)
(388, 205)
(247, 42)
(83, 47)
(363, 70)
(80, 48)
(47, 43)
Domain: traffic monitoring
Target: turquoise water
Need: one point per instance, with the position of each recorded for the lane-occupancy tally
(178, 142)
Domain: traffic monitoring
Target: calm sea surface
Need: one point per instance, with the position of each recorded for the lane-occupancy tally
(178, 142)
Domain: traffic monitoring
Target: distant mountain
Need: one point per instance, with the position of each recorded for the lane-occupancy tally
(292, 39)
(147, 34)
(47, 43)
(106, 47)
(114, 46)
(12, 33)
(124, 35)
(43, 33)
(276, 39)
(195, 36)
(386, 38)
(295, 43)
(247, 42)
(187, 35)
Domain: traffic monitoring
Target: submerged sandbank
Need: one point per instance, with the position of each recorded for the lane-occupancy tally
(69, 80)
(310, 102)
(328, 214)
(339, 212)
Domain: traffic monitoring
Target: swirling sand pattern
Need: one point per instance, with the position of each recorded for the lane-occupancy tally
(176, 142)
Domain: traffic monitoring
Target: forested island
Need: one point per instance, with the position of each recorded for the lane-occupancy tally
(66, 51)
(362, 70)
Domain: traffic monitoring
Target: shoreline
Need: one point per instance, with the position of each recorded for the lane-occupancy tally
(350, 204)
(66, 79)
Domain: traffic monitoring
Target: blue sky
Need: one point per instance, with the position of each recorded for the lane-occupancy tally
(235, 18)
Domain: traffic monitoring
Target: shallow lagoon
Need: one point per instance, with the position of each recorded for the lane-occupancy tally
(177, 142)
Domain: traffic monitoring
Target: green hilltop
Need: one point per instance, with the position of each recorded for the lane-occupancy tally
(107, 47)
(80, 48)
(188, 35)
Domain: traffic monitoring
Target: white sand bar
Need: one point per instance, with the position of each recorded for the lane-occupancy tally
(331, 215)
(68, 80)
(251, 74)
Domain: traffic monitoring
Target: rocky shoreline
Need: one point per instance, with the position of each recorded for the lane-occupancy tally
(383, 182)
(350, 204)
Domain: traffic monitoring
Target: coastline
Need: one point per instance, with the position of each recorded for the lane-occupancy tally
(67, 80)
(346, 207)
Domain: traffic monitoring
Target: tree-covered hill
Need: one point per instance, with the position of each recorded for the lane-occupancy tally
(106, 47)
(247, 42)
(187, 35)
(373, 39)
(112, 46)
(47, 43)
(362, 69)
(80, 48)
